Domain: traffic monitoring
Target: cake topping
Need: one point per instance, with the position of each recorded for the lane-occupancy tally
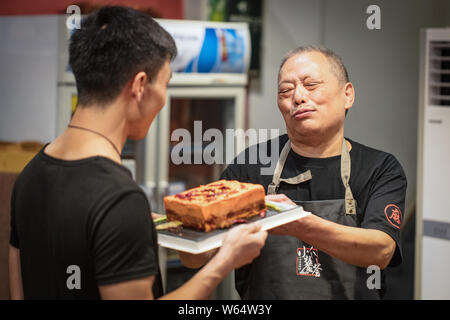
(238, 221)
(208, 192)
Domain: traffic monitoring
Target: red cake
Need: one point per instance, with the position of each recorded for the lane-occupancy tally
(215, 205)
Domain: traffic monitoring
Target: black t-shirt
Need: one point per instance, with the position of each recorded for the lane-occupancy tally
(377, 181)
(81, 224)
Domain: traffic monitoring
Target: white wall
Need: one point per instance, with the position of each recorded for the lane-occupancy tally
(286, 24)
(382, 64)
(28, 78)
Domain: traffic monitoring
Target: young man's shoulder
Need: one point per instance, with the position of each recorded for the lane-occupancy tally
(92, 174)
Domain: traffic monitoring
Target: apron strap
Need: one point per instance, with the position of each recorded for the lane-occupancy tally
(272, 189)
(350, 203)
(302, 177)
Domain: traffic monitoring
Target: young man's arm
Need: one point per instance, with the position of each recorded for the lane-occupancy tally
(202, 285)
(15, 275)
(195, 261)
(241, 245)
(139, 289)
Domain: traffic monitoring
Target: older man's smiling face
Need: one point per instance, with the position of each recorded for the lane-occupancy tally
(310, 97)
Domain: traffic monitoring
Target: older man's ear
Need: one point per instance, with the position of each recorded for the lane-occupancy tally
(349, 92)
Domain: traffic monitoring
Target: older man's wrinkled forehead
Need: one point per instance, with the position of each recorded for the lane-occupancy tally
(320, 59)
(304, 65)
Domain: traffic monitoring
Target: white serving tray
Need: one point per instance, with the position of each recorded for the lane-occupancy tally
(194, 241)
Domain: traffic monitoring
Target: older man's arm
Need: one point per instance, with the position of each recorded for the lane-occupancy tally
(356, 246)
(375, 241)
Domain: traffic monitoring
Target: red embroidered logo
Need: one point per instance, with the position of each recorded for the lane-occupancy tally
(393, 215)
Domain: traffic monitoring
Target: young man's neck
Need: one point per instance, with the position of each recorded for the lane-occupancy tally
(108, 120)
(96, 130)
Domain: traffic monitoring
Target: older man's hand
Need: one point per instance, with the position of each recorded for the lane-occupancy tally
(279, 198)
(288, 229)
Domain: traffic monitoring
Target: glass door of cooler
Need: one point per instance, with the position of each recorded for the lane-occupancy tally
(190, 113)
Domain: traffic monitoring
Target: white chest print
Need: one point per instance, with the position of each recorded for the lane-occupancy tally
(308, 262)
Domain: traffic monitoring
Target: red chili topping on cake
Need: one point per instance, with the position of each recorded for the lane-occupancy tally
(205, 193)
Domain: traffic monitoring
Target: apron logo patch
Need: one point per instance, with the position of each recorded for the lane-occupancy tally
(393, 215)
(308, 262)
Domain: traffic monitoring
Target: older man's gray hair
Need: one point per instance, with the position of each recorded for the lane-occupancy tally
(337, 66)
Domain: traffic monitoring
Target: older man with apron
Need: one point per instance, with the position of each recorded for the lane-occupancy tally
(289, 268)
(356, 194)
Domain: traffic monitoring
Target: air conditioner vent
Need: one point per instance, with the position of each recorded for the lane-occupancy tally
(439, 73)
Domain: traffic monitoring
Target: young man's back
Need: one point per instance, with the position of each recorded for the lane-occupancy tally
(73, 221)
(81, 228)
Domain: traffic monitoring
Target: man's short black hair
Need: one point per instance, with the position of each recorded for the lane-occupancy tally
(112, 45)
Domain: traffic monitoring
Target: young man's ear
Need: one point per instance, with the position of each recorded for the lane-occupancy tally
(138, 85)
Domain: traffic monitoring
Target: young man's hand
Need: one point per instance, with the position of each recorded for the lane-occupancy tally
(242, 244)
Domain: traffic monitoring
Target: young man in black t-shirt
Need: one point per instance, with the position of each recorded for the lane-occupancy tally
(80, 227)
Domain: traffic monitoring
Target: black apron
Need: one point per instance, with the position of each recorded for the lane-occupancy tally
(289, 268)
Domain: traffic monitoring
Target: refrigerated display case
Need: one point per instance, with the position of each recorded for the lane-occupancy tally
(195, 110)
